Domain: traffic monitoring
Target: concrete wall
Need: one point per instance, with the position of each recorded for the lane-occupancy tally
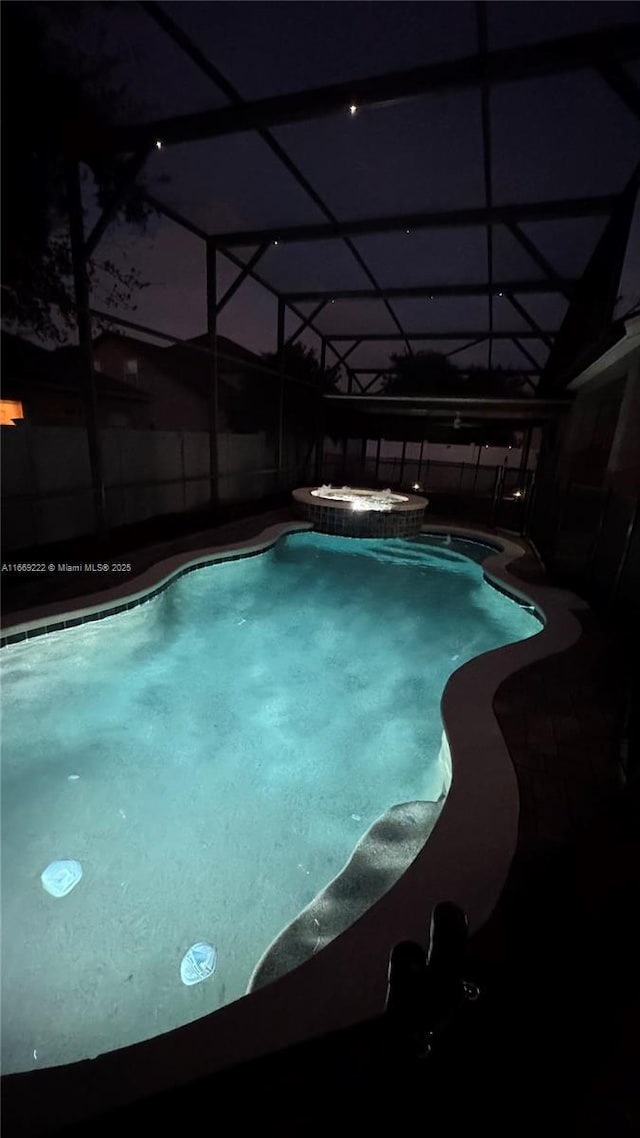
(47, 482)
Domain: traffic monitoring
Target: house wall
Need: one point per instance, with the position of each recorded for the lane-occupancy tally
(46, 477)
(173, 403)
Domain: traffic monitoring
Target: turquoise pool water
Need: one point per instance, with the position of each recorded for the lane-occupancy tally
(209, 760)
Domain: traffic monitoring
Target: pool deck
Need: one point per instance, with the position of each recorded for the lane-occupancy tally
(557, 959)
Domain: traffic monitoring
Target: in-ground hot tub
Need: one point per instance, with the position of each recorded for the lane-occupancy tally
(353, 512)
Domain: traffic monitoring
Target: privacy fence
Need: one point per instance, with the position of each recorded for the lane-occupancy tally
(47, 489)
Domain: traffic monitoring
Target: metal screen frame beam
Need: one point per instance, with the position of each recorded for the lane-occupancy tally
(306, 323)
(556, 209)
(455, 335)
(622, 84)
(342, 358)
(178, 219)
(85, 340)
(537, 368)
(434, 291)
(485, 111)
(534, 326)
(280, 425)
(212, 343)
(540, 260)
(506, 65)
(242, 276)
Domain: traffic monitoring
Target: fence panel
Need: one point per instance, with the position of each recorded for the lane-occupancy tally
(47, 494)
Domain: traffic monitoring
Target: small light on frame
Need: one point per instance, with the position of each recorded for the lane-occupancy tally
(407, 231)
(500, 294)
(158, 144)
(275, 242)
(518, 494)
(353, 110)
(417, 486)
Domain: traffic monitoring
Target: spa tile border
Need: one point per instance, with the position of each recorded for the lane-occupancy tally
(337, 518)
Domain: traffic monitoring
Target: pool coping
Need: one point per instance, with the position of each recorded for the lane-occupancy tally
(465, 860)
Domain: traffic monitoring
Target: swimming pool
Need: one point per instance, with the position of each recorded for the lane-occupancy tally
(210, 759)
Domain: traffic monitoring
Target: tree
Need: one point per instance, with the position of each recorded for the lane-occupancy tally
(425, 373)
(302, 363)
(45, 86)
(507, 383)
(431, 373)
(300, 404)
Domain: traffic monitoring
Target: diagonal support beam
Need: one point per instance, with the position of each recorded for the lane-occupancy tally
(306, 323)
(269, 287)
(521, 310)
(173, 215)
(472, 344)
(241, 278)
(527, 354)
(539, 258)
(125, 183)
(344, 357)
(622, 84)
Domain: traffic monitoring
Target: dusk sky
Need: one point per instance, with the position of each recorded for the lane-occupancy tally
(556, 137)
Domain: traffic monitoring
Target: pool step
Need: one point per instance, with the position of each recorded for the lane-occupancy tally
(401, 553)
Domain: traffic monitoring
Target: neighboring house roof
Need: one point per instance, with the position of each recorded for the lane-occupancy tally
(26, 367)
(189, 355)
